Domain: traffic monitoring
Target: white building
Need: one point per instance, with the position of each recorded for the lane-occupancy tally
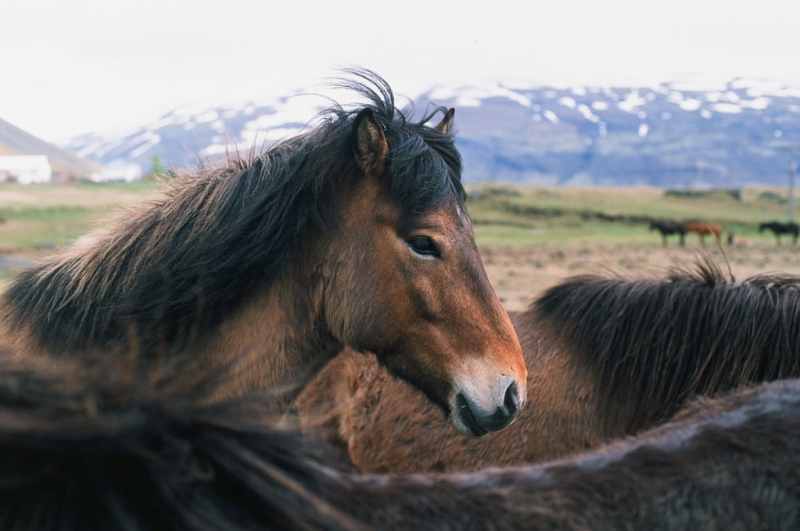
(25, 169)
(118, 170)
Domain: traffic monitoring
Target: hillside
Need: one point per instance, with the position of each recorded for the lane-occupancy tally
(15, 141)
(670, 135)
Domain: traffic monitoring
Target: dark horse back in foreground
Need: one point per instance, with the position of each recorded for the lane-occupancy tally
(87, 446)
(353, 234)
(607, 357)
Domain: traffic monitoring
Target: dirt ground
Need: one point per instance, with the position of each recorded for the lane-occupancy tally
(519, 274)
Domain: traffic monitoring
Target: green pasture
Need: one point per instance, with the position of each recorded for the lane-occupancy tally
(45, 216)
(41, 217)
(530, 215)
(47, 227)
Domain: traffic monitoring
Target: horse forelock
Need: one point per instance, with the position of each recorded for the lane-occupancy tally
(652, 344)
(171, 270)
(424, 166)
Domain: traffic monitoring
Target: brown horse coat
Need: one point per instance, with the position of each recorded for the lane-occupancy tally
(606, 357)
(702, 228)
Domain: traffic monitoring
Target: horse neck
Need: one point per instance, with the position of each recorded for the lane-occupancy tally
(278, 337)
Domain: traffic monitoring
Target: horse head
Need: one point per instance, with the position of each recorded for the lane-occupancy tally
(410, 286)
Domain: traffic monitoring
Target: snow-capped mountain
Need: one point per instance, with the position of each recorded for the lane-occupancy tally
(673, 135)
(181, 137)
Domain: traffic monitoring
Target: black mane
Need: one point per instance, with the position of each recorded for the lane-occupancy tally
(654, 344)
(174, 269)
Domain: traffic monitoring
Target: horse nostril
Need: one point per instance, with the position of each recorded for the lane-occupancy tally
(478, 420)
(512, 400)
(468, 416)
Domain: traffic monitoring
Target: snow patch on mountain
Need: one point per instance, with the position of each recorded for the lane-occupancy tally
(477, 94)
(645, 134)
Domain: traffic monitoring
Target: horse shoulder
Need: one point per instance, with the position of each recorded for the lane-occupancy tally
(562, 392)
(323, 405)
(392, 427)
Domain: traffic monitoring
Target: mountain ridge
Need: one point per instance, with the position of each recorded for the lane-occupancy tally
(15, 141)
(668, 135)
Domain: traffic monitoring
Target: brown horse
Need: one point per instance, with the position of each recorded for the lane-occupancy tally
(606, 358)
(702, 228)
(354, 234)
(88, 446)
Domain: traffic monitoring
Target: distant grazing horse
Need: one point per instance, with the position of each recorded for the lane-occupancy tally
(667, 228)
(90, 447)
(779, 228)
(737, 241)
(702, 228)
(353, 234)
(606, 358)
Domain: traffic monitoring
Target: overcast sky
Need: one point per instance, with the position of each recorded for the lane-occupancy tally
(72, 67)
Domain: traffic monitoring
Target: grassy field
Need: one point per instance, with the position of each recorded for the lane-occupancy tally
(525, 215)
(530, 237)
(41, 217)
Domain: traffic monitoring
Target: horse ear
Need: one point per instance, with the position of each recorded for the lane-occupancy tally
(371, 146)
(446, 125)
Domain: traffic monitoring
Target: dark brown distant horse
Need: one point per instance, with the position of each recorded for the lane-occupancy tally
(702, 228)
(91, 446)
(606, 358)
(779, 228)
(667, 228)
(354, 234)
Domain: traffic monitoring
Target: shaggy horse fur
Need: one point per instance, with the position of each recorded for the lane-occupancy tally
(353, 234)
(90, 445)
(607, 357)
(174, 269)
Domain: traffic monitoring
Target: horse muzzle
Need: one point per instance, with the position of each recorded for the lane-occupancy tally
(477, 414)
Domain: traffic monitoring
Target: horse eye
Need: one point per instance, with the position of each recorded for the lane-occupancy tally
(424, 246)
